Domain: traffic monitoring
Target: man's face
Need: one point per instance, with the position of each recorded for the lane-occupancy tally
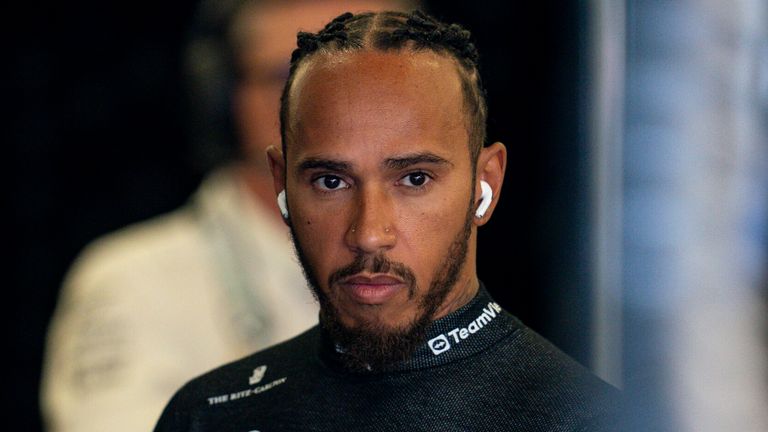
(379, 184)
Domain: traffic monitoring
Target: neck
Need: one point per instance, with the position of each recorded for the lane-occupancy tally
(464, 291)
(472, 327)
(467, 284)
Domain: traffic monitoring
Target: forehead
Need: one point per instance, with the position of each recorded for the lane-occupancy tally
(372, 99)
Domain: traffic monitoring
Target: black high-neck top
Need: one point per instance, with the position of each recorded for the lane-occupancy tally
(479, 369)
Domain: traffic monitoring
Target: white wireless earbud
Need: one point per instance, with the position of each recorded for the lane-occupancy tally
(281, 203)
(486, 197)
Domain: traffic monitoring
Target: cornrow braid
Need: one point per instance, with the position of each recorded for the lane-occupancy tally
(310, 42)
(427, 31)
(392, 31)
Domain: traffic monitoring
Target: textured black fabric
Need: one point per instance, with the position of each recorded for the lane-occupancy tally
(481, 370)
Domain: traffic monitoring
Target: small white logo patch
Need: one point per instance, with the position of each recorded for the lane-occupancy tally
(258, 375)
(439, 344)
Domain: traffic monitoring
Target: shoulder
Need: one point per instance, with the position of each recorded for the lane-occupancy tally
(541, 378)
(248, 376)
(141, 243)
(114, 276)
(166, 251)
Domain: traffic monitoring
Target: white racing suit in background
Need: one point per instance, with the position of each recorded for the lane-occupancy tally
(149, 307)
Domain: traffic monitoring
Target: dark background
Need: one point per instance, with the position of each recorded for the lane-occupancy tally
(96, 139)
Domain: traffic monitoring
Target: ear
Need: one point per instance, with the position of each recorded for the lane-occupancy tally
(491, 165)
(276, 164)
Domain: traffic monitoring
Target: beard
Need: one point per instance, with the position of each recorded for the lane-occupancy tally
(373, 345)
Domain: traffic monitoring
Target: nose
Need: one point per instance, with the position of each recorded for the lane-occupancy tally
(372, 227)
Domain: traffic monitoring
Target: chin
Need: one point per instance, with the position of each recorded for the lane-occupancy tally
(378, 316)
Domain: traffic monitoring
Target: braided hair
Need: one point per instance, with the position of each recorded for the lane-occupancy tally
(385, 31)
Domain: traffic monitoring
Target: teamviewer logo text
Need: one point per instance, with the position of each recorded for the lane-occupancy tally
(439, 344)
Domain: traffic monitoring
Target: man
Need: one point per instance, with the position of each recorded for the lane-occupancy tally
(384, 180)
(147, 308)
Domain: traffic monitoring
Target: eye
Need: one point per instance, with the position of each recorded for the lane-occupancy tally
(415, 179)
(330, 183)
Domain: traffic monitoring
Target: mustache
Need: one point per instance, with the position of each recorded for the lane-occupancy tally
(374, 264)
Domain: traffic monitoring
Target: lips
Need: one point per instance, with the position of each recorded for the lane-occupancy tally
(372, 289)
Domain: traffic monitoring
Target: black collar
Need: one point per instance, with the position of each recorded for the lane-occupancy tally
(468, 330)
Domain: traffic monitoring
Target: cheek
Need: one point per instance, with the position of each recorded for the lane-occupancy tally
(321, 235)
(434, 218)
(317, 230)
(427, 233)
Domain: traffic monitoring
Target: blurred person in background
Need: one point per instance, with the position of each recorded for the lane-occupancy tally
(147, 308)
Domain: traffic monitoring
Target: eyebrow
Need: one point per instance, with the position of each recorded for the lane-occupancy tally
(327, 164)
(407, 160)
(395, 163)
